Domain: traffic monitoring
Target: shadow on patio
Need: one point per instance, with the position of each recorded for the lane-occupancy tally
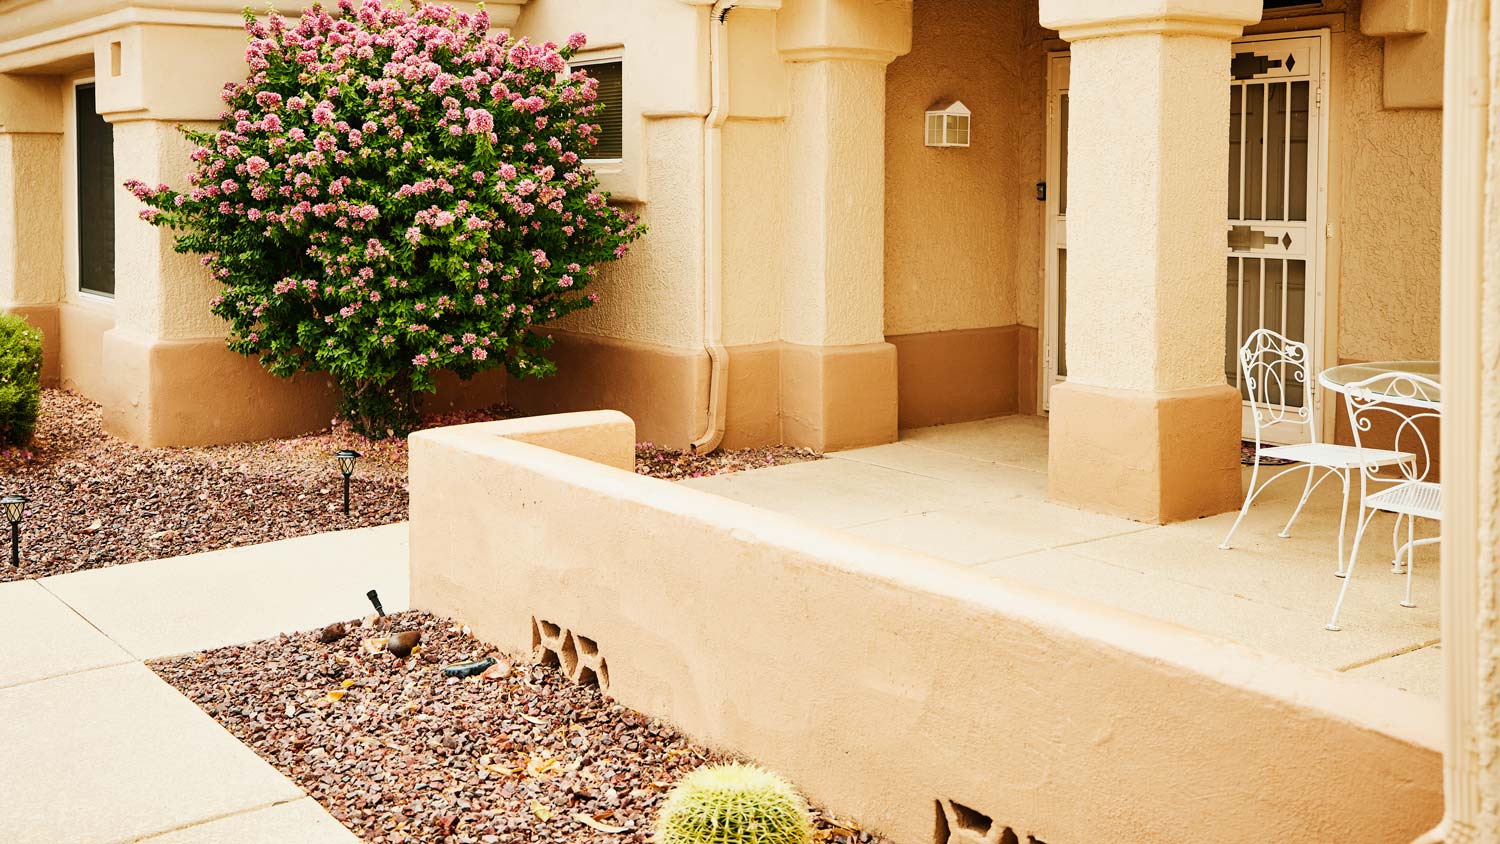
(975, 493)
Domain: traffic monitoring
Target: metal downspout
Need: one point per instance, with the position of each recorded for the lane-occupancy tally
(713, 228)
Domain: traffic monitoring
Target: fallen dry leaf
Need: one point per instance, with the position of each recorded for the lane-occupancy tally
(602, 827)
(337, 696)
(542, 812)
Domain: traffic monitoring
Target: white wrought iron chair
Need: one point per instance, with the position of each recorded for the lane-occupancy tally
(1405, 400)
(1274, 369)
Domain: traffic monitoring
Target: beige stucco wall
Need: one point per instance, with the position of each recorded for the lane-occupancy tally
(756, 189)
(1388, 171)
(962, 225)
(654, 295)
(159, 293)
(30, 251)
(1384, 185)
(882, 681)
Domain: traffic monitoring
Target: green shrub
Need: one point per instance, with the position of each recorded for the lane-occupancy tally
(20, 379)
(733, 804)
(393, 193)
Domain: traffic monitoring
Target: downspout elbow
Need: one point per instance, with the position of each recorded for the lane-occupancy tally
(713, 230)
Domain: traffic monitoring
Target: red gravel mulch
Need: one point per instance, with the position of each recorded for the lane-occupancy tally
(98, 501)
(401, 754)
(673, 465)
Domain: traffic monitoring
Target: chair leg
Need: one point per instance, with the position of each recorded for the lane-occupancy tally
(1338, 569)
(1359, 534)
(1244, 508)
(1411, 561)
(1397, 566)
(1286, 531)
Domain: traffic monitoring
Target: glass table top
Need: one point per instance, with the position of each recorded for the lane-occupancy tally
(1412, 393)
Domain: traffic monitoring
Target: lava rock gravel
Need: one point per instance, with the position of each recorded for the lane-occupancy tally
(401, 754)
(99, 501)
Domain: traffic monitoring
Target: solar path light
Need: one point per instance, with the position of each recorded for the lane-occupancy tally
(14, 507)
(346, 460)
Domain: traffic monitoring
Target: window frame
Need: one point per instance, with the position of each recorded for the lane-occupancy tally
(595, 61)
(74, 191)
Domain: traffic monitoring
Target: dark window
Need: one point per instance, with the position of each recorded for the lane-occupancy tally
(611, 118)
(96, 196)
(1291, 4)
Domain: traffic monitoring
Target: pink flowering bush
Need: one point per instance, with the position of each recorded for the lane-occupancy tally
(394, 193)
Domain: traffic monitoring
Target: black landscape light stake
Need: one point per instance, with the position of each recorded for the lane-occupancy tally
(15, 507)
(375, 601)
(346, 466)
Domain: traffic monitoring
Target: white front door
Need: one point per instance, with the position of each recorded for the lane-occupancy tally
(1275, 228)
(1275, 263)
(1054, 353)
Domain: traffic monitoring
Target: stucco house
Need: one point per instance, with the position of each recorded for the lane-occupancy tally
(817, 273)
(874, 215)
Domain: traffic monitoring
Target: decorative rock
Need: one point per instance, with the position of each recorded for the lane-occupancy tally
(332, 633)
(499, 671)
(468, 669)
(402, 643)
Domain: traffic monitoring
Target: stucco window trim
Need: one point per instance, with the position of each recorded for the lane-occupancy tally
(621, 177)
(72, 292)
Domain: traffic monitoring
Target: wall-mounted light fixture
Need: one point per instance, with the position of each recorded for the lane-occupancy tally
(948, 126)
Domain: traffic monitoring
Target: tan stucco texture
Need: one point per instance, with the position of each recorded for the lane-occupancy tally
(962, 226)
(882, 681)
(1150, 457)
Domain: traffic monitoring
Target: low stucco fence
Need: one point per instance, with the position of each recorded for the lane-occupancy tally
(921, 699)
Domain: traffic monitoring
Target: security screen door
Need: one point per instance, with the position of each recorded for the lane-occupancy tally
(1273, 244)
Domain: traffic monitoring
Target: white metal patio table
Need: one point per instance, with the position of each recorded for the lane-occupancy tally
(1338, 378)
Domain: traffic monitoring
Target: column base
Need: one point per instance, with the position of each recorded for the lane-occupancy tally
(837, 397)
(1152, 457)
(197, 392)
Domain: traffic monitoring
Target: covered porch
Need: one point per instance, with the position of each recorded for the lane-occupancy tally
(975, 494)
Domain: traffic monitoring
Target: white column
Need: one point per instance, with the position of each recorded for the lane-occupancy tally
(1145, 426)
(1471, 428)
(838, 375)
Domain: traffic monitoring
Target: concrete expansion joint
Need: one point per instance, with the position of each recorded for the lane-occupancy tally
(155, 836)
(42, 582)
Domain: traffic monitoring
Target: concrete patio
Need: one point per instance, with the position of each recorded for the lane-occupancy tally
(975, 494)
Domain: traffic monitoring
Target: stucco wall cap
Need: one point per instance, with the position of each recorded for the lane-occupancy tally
(1078, 19)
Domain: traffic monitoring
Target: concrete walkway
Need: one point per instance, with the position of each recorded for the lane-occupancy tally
(975, 494)
(96, 749)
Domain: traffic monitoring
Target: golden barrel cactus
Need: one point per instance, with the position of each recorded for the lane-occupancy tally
(733, 804)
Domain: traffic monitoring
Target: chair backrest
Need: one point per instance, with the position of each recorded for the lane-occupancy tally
(1395, 405)
(1278, 382)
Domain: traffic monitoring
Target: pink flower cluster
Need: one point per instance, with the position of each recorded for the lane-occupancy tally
(397, 188)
